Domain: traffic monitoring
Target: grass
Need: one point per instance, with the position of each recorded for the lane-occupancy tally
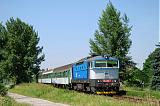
(7, 101)
(73, 98)
(145, 93)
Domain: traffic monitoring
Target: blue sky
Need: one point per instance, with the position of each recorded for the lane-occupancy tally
(65, 26)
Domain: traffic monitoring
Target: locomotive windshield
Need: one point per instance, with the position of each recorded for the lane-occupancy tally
(100, 64)
(108, 63)
(111, 63)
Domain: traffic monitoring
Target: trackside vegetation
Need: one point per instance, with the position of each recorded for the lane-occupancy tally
(7, 101)
(3, 90)
(144, 93)
(70, 97)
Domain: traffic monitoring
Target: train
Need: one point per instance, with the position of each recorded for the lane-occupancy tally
(97, 74)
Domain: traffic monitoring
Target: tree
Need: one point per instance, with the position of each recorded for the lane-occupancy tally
(22, 57)
(2, 50)
(156, 69)
(134, 79)
(112, 38)
(147, 69)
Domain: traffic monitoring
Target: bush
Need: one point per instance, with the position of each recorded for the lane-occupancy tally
(3, 90)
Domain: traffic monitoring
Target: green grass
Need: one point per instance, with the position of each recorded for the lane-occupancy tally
(73, 98)
(7, 101)
(145, 93)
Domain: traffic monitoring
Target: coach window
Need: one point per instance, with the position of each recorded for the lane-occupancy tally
(64, 73)
(60, 74)
(47, 75)
(57, 75)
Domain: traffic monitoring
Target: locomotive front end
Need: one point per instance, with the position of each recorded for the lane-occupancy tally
(104, 75)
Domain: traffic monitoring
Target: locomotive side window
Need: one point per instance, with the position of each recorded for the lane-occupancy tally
(91, 64)
(111, 63)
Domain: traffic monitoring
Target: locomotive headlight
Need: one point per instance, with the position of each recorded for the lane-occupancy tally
(98, 80)
(115, 80)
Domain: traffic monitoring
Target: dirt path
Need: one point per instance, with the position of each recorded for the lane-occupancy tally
(33, 101)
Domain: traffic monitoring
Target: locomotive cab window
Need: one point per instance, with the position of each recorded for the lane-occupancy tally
(111, 63)
(100, 64)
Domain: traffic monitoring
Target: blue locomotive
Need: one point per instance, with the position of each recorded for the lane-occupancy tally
(97, 74)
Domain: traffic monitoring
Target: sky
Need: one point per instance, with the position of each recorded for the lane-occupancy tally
(65, 26)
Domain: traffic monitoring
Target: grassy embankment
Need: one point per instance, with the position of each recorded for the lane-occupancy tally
(145, 93)
(73, 98)
(7, 101)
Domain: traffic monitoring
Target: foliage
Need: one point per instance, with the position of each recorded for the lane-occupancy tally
(134, 77)
(21, 53)
(156, 70)
(70, 97)
(7, 101)
(113, 38)
(2, 48)
(3, 90)
(147, 69)
(143, 78)
(150, 69)
(144, 93)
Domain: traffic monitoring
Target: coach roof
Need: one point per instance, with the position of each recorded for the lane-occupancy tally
(62, 68)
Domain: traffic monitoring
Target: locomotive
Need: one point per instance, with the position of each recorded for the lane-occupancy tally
(97, 74)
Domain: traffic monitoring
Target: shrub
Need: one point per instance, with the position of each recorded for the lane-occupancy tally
(3, 90)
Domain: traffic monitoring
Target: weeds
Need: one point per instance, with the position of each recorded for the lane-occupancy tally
(7, 101)
(145, 93)
(3, 90)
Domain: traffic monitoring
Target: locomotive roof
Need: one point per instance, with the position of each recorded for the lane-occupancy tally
(100, 57)
(61, 68)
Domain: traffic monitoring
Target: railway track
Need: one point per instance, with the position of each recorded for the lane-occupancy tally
(149, 101)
